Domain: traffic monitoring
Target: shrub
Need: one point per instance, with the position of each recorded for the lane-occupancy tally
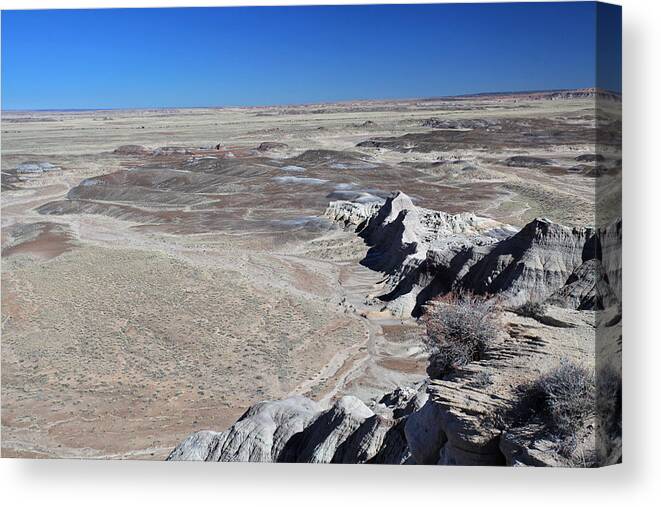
(568, 397)
(531, 309)
(609, 415)
(459, 330)
(481, 379)
(561, 399)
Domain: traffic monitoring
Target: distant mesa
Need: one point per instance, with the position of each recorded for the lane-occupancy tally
(585, 93)
(569, 94)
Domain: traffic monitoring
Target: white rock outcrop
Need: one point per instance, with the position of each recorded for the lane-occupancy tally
(425, 253)
(298, 429)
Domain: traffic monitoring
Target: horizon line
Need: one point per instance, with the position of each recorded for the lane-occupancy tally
(320, 103)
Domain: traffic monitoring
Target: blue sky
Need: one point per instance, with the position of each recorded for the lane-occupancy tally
(276, 55)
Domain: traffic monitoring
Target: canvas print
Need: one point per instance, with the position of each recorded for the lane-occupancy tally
(372, 234)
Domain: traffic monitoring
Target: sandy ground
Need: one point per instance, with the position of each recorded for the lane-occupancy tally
(175, 290)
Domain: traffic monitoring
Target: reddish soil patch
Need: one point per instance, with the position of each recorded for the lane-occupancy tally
(402, 333)
(52, 240)
(404, 365)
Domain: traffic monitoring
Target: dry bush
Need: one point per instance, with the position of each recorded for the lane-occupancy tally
(481, 380)
(459, 330)
(531, 309)
(609, 415)
(562, 399)
(568, 395)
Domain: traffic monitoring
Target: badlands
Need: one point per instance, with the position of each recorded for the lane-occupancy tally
(166, 271)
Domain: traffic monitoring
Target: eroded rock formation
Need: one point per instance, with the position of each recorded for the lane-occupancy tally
(458, 420)
(476, 414)
(426, 253)
(298, 429)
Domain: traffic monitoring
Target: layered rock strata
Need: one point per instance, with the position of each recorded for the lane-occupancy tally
(464, 418)
(425, 253)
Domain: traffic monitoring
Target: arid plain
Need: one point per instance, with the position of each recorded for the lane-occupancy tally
(173, 267)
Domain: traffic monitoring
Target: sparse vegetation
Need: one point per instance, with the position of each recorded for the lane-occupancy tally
(563, 398)
(609, 415)
(568, 392)
(459, 330)
(531, 309)
(482, 379)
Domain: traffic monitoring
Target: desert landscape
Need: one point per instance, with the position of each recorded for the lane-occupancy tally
(261, 283)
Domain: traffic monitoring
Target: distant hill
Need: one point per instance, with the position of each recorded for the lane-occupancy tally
(571, 93)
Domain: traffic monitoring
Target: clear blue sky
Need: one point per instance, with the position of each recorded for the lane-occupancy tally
(114, 58)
